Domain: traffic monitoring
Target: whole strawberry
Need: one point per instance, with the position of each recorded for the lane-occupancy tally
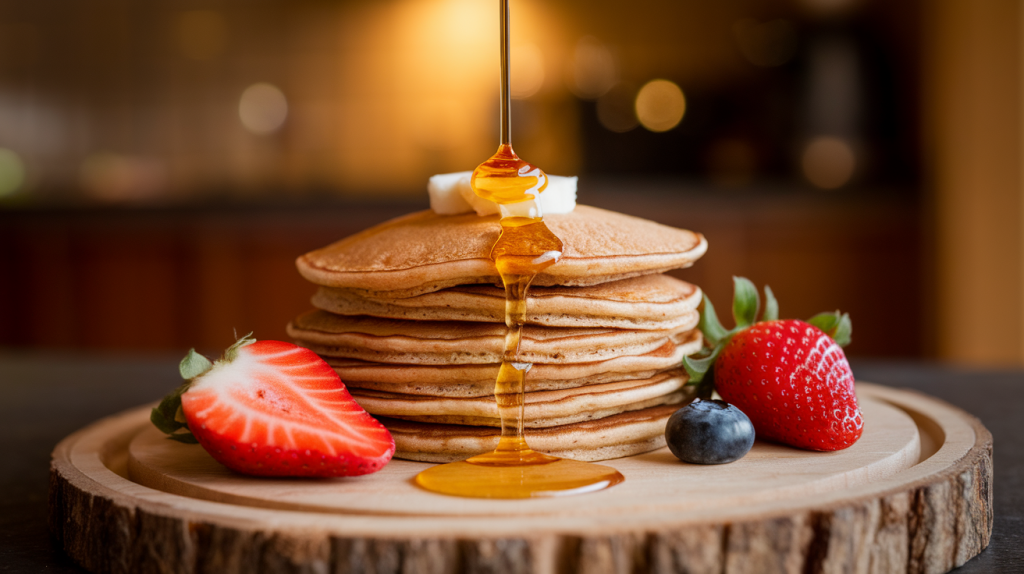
(790, 377)
(270, 408)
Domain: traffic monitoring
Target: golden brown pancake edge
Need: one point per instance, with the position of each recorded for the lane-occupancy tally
(393, 259)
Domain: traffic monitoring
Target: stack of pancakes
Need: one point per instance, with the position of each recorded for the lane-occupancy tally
(411, 315)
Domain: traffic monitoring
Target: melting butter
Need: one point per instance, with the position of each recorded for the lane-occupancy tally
(451, 194)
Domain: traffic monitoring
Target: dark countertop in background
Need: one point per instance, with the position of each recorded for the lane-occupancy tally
(44, 397)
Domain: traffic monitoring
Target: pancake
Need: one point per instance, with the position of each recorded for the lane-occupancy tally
(625, 434)
(478, 380)
(457, 342)
(647, 302)
(423, 252)
(541, 409)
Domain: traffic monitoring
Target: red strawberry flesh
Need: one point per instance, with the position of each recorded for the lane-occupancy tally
(279, 410)
(794, 383)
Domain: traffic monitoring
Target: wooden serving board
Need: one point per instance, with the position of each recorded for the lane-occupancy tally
(913, 495)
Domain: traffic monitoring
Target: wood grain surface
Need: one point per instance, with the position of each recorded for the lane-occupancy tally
(913, 495)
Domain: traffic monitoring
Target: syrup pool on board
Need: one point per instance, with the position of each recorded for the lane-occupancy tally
(525, 248)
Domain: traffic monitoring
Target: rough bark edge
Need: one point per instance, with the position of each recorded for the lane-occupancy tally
(930, 528)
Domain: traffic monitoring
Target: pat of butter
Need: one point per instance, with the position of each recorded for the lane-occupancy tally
(451, 194)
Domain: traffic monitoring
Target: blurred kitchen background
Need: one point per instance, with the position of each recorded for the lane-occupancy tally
(163, 162)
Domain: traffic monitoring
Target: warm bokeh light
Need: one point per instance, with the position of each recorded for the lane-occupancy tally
(828, 162)
(201, 34)
(766, 44)
(421, 89)
(132, 162)
(416, 93)
(12, 172)
(660, 105)
(615, 109)
(262, 108)
(592, 71)
(527, 70)
(372, 97)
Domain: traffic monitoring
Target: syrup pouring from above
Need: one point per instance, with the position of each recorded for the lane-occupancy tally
(525, 248)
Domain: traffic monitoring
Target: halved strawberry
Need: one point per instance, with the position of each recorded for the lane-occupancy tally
(270, 408)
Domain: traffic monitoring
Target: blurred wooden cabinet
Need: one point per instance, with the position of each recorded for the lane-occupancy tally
(167, 280)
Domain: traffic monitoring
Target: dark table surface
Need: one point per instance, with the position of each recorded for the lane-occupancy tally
(44, 397)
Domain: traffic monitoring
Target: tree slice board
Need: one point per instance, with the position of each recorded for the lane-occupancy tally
(655, 482)
(913, 495)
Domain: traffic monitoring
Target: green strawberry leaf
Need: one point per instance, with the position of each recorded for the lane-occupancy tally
(745, 302)
(160, 420)
(697, 368)
(185, 437)
(167, 416)
(193, 365)
(843, 332)
(709, 324)
(835, 325)
(164, 416)
(827, 322)
(771, 305)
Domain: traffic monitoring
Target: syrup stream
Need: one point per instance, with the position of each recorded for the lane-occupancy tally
(525, 248)
(505, 121)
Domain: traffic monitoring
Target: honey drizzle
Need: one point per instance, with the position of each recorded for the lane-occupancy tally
(525, 248)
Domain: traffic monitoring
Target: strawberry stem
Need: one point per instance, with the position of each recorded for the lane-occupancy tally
(232, 352)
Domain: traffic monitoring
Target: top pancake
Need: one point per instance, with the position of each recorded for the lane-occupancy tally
(424, 252)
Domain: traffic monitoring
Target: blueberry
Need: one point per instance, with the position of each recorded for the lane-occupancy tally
(709, 432)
